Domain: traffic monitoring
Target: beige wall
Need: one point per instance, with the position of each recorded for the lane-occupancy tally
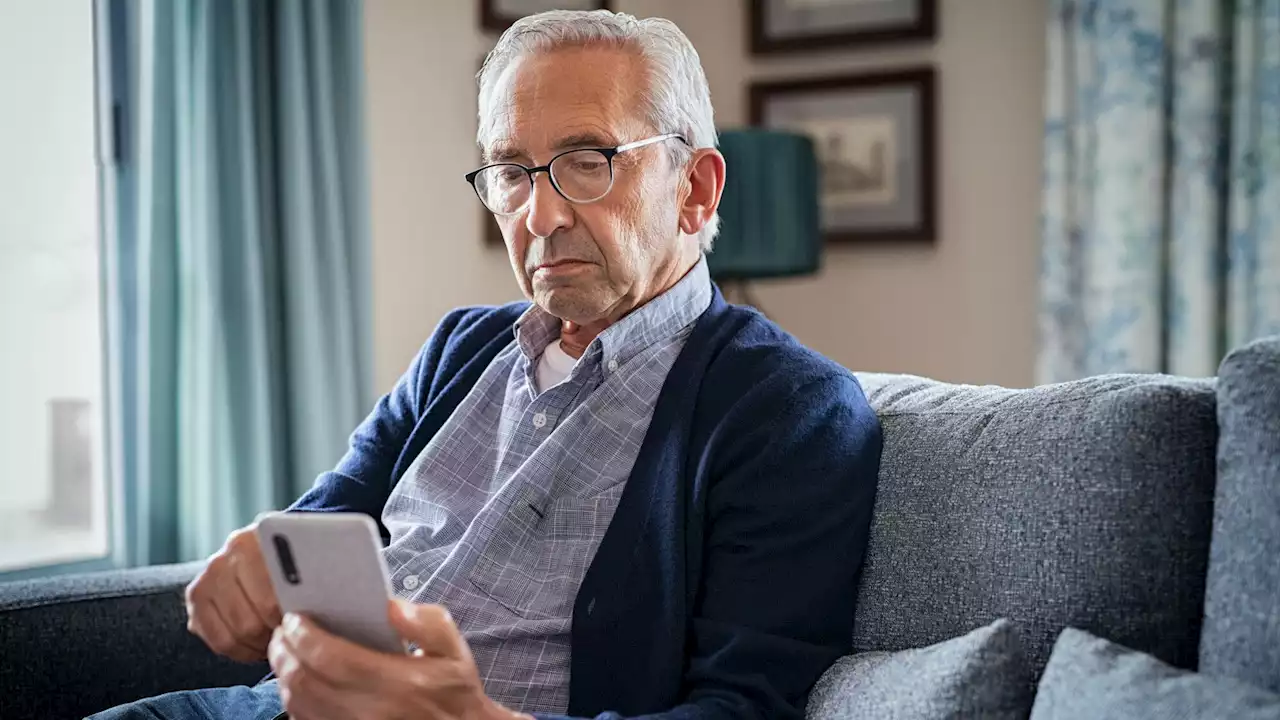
(961, 310)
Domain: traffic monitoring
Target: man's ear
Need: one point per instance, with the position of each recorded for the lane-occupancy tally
(705, 178)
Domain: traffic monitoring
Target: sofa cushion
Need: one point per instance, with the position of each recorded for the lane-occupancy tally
(1083, 504)
(94, 641)
(980, 675)
(1088, 677)
(1241, 635)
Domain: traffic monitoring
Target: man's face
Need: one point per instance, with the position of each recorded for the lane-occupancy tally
(587, 262)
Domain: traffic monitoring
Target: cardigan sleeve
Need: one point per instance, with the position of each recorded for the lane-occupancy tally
(789, 505)
(362, 480)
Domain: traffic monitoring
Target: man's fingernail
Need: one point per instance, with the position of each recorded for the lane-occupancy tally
(292, 623)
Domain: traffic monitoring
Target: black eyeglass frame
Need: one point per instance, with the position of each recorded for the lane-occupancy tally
(607, 152)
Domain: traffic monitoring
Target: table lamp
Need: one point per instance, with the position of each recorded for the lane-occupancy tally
(769, 222)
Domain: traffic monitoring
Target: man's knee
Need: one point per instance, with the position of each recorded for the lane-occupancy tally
(233, 703)
(171, 706)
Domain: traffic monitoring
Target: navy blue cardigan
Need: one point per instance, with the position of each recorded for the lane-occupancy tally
(725, 583)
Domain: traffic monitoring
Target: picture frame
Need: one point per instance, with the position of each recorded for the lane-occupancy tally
(875, 135)
(490, 233)
(498, 15)
(780, 26)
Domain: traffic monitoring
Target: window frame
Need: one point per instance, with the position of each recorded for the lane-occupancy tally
(110, 70)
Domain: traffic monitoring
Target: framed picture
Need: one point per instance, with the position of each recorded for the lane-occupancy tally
(490, 233)
(791, 25)
(498, 15)
(874, 135)
(489, 230)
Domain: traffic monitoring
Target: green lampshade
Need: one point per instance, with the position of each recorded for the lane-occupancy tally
(769, 225)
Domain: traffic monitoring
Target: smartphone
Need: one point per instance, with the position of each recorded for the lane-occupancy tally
(329, 567)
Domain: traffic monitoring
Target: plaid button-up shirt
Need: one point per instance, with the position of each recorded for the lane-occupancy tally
(500, 515)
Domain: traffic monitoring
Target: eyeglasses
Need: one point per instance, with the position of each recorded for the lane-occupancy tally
(580, 176)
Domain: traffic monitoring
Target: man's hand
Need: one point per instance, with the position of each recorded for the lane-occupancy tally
(232, 605)
(324, 677)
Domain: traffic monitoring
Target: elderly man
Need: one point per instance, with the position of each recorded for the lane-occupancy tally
(625, 498)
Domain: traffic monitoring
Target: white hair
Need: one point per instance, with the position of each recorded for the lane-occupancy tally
(677, 98)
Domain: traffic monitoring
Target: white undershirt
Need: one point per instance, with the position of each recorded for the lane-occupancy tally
(554, 366)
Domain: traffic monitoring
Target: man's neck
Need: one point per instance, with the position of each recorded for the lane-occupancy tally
(575, 338)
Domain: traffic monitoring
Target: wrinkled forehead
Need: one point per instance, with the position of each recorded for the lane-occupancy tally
(548, 101)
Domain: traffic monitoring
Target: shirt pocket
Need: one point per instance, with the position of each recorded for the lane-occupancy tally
(535, 564)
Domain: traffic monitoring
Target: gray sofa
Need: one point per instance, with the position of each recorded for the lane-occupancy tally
(1142, 509)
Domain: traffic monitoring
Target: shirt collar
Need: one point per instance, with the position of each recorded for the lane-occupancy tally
(662, 317)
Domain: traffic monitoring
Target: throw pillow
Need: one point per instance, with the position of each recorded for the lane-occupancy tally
(1088, 677)
(981, 674)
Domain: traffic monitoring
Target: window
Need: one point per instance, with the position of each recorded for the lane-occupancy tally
(53, 489)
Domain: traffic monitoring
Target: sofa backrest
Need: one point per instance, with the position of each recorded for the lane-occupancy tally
(1241, 637)
(1086, 504)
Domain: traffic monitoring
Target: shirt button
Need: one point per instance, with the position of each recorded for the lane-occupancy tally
(613, 366)
(410, 582)
(540, 420)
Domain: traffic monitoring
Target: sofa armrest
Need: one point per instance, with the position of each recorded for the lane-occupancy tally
(78, 644)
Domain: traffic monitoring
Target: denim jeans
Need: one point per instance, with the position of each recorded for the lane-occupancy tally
(261, 702)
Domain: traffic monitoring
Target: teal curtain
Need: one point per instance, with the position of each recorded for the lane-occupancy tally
(1161, 224)
(241, 272)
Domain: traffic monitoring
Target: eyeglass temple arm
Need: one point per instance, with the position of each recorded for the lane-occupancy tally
(650, 141)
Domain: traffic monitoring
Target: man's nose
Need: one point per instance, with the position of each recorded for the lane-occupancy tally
(548, 210)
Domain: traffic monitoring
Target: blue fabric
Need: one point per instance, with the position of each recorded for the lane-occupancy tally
(261, 702)
(1241, 635)
(770, 217)
(500, 516)
(756, 481)
(240, 301)
(1161, 222)
(1090, 677)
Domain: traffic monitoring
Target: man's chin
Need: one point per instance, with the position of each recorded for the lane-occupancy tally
(570, 303)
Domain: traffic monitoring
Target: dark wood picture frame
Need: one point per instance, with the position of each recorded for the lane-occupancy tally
(923, 29)
(493, 21)
(490, 232)
(923, 81)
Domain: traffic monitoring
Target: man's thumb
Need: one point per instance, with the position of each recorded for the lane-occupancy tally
(430, 627)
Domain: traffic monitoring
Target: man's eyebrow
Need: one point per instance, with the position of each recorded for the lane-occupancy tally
(586, 139)
(505, 152)
(501, 152)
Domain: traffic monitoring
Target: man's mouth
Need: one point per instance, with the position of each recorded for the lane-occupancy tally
(560, 266)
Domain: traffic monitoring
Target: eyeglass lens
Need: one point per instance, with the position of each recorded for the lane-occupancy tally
(582, 176)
